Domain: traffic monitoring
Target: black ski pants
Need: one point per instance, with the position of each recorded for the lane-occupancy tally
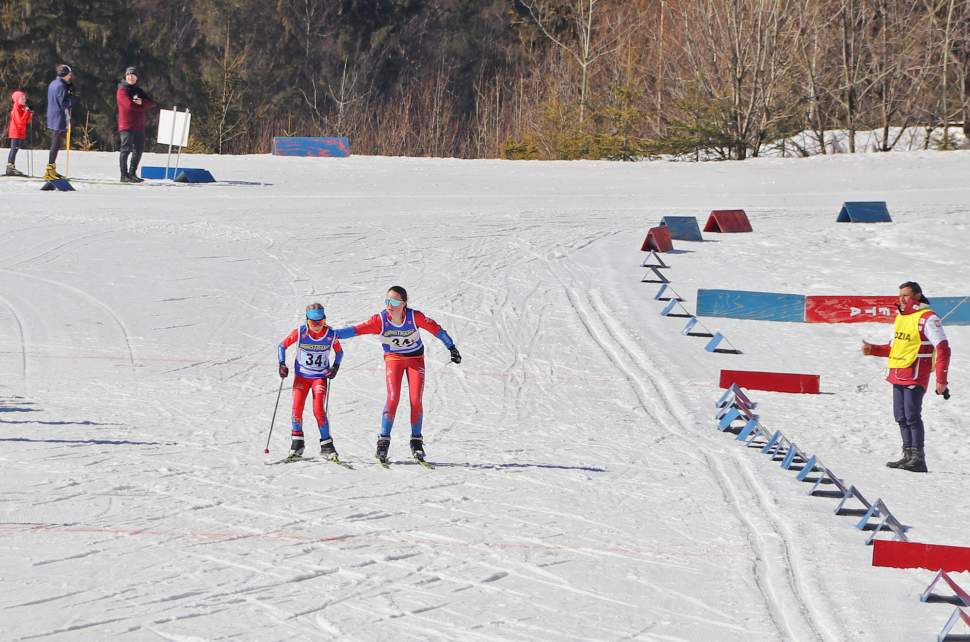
(57, 140)
(133, 143)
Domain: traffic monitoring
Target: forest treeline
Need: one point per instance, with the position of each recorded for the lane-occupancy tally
(548, 79)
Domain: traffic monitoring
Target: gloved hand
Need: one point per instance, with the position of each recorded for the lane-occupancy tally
(455, 355)
(333, 371)
(284, 371)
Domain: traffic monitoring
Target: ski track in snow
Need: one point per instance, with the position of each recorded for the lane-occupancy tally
(580, 491)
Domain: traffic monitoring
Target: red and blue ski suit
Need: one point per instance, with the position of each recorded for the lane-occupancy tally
(311, 367)
(403, 354)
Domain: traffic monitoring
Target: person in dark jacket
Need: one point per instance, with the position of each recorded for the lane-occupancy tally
(133, 102)
(59, 103)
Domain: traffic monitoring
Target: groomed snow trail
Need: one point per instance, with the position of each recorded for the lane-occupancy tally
(580, 492)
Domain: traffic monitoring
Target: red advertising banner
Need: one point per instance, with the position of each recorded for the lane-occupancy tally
(774, 381)
(850, 309)
(932, 557)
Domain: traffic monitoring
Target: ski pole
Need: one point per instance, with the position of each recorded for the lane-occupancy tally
(273, 420)
(67, 167)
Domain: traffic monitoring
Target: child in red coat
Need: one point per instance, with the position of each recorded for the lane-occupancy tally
(20, 117)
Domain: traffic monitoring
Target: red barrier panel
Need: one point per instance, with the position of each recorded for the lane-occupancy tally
(932, 557)
(728, 221)
(850, 309)
(658, 239)
(774, 381)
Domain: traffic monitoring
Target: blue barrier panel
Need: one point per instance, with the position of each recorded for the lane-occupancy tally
(192, 174)
(726, 420)
(682, 228)
(320, 146)
(59, 184)
(742, 304)
(807, 470)
(773, 442)
(864, 212)
(749, 428)
(957, 307)
(715, 340)
(790, 457)
(659, 296)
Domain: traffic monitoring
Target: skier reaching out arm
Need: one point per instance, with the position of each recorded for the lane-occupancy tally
(312, 373)
(399, 329)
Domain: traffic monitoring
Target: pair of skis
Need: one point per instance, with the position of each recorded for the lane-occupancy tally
(336, 460)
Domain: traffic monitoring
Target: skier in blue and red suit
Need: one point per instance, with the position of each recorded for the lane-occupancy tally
(312, 372)
(399, 329)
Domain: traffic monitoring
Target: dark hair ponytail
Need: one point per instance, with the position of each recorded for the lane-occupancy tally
(400, 291)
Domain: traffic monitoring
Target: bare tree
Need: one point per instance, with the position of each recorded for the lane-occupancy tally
(595, 34)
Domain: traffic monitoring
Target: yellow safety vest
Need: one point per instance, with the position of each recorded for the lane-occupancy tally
(906, 339)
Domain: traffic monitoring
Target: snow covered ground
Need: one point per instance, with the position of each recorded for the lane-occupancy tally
(581, 491)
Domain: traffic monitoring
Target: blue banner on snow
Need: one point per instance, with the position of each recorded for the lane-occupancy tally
(742, 304)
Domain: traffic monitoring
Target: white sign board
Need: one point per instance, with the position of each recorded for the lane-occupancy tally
(173, 127)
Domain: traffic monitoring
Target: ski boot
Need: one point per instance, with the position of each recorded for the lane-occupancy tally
(327, 450)
(296, 449)
(899, 463)
(383, 445)
(50, 173)
(917, 461)
(417, 448)
(13, 171)
(125, 178)
(134, 178)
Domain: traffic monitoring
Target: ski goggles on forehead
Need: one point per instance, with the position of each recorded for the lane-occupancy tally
(394, 303)
(316, 315)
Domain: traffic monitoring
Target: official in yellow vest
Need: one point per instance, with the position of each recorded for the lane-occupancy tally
(917, 336)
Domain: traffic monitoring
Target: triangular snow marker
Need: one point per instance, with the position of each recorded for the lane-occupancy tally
(660, 278)
(958, 614)
(657, 261)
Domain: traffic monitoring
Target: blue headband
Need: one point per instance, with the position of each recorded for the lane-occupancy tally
(316, 314)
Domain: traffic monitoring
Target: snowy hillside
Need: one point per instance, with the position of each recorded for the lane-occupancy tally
(581, 491)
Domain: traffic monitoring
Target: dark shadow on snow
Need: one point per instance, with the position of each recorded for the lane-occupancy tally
(86, 422)
(90, 442)
(485, 466)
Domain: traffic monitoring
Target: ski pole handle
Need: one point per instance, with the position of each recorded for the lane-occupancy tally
(273, 420)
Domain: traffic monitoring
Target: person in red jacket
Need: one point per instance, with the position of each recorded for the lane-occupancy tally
(20, 117)
(917, 334)
(133, 102)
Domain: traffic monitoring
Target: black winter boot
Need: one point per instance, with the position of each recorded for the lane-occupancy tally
(899, 463)
(383, 445)
(417, 448)
(916, 463)
(296, 449)
(133, 170)
(327, 450)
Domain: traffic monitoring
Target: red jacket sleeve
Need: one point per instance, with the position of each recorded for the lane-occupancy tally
(290, 339)
(942, 361)
(425, 322)
(372, 325)
(880, 350)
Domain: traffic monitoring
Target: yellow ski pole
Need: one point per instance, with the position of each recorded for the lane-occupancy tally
(67, 168)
